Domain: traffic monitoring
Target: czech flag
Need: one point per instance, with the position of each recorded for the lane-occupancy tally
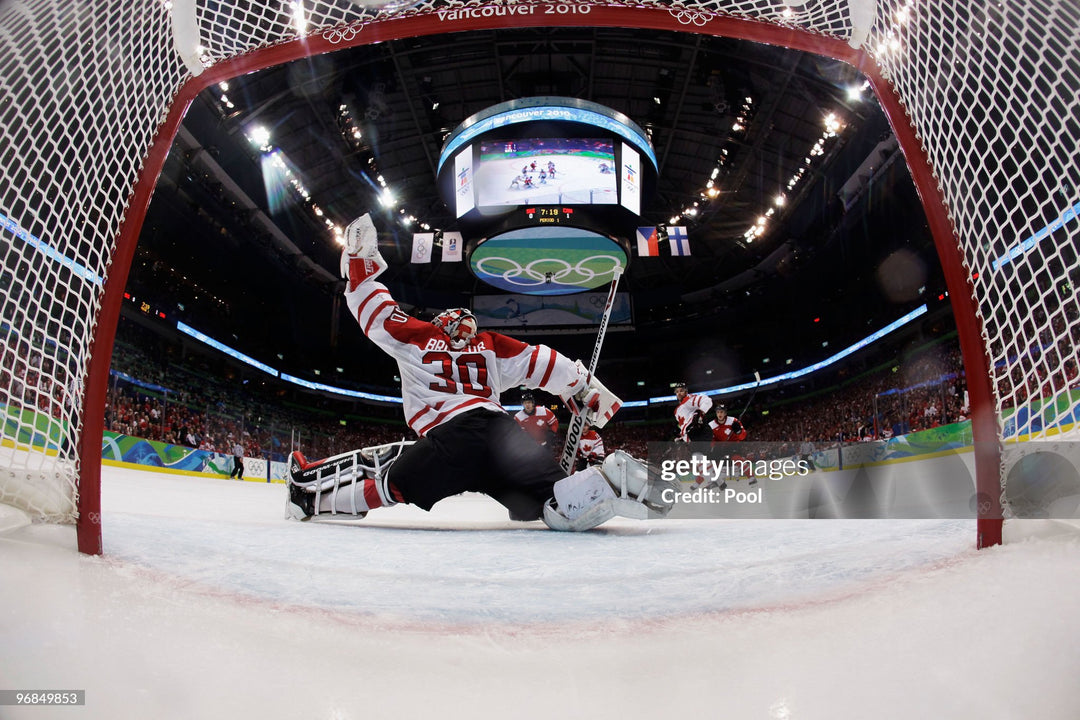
(648, 244)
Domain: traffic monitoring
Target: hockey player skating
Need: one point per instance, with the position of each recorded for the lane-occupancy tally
(728, 428)
(451, 377)
(692, 423)
(692, 415)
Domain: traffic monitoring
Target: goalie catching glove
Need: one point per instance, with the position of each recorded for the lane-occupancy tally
(588, 398)
(361, 260)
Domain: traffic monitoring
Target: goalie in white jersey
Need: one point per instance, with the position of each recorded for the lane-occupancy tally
(451, 378)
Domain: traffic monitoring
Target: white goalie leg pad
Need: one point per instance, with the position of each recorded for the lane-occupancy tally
(372, 461)
(577, 493)
(325, 472)
(630, 480)
(342, 492)
(585, 500)
(379, 458)
(351, 498)
(598, 514)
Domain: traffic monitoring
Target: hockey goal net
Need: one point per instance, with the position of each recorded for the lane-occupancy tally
(982, 96)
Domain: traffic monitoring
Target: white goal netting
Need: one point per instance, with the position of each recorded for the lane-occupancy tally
(990, 90)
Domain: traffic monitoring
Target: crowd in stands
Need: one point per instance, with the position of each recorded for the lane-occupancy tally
(34, 374)
(881, 404)
(182, 407)
(158, 395)
(162, 391)
(916, 395)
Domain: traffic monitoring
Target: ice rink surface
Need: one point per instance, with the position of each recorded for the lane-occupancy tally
(208, 604)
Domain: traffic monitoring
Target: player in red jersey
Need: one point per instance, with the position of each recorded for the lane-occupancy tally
(726, 428)
(538, 421)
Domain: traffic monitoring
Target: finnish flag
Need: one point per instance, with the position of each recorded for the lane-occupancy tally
(680, 243)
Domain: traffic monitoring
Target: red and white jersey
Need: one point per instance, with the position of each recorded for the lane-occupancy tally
(731, 430)
(541, 424)
(438, 382)
(690, 406)
(591, 446)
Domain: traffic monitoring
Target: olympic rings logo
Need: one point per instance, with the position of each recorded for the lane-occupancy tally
(340, 35)
(511, 272)
(690, 17)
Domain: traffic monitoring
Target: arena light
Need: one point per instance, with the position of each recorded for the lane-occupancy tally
(259, 136)
(833, 125)
(809, 369)
(1069, 215)
(49, 251)
(299, 18)
(222, 347)
(323, 387)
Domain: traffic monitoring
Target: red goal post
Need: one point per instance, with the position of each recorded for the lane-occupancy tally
(982, 99)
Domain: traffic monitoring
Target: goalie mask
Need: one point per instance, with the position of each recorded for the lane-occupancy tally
(459, 325)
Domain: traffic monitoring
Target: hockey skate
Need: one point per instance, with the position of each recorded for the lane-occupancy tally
(300, 501)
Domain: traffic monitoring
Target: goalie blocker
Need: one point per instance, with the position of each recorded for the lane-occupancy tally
(596, 404)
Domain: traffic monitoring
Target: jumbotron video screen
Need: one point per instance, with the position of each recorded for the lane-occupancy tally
(524, 176)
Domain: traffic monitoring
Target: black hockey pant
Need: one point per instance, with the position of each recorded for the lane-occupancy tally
(478, 451)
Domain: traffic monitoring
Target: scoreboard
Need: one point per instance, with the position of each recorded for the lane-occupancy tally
(544, 178)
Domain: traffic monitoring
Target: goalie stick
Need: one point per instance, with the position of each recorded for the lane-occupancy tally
(577, 423)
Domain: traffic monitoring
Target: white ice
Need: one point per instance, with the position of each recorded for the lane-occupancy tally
(208, 604)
